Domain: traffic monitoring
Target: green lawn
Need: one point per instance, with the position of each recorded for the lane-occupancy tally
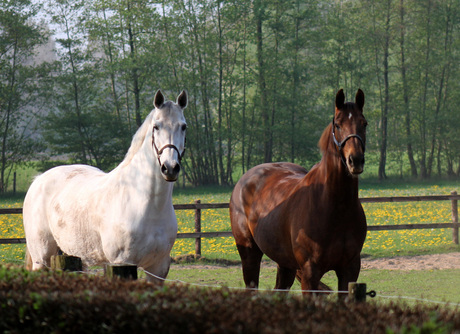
(378, 243)
(422, 286)
(439, 285)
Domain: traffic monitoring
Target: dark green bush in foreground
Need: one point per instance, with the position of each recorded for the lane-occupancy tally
(61, 303)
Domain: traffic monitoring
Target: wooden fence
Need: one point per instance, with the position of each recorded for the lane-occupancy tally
(198, 206)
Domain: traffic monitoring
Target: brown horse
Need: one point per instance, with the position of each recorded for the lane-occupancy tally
(307, 222)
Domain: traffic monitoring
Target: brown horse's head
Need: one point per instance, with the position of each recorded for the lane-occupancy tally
(349, 131)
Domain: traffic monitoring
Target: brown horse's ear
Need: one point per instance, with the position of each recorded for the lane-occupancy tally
(159, 99)
(182, 100)
(359, 99)
(339, 99)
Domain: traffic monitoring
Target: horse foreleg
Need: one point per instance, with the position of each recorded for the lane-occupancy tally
(27, 260)
(348, 274)
(285, 278)
(158, 272)
(250, 262)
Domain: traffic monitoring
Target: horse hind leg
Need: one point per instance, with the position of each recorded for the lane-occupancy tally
(38, 256)
(28, 263)
(27, 260)
(284, 278)
(250, 261)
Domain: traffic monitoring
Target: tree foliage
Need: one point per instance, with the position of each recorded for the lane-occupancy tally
(261, 75)
(18, 83)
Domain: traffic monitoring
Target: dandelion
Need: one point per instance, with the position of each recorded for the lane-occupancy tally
(214, 220)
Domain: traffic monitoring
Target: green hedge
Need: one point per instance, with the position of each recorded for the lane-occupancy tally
(56, 302)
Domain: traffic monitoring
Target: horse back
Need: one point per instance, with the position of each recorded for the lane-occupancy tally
(266, 183)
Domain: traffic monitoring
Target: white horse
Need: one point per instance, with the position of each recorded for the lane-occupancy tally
(125, 216)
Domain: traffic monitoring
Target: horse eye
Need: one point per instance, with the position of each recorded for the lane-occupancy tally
(184, 127)
(156, 128)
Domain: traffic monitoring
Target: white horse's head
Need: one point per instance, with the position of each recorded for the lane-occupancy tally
(168, 134)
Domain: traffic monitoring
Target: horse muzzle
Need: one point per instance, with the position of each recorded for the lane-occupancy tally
(169, 168)
(170, 171)
(355, 164)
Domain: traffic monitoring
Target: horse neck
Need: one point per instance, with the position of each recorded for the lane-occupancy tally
(142, 175)
(333, 173)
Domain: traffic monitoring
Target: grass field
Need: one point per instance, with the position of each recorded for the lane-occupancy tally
(378, 243)
(440, 285)
(414, 286)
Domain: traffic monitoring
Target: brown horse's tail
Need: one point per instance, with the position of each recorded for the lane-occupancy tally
(324, 287)
(28, 260)
(321, 285)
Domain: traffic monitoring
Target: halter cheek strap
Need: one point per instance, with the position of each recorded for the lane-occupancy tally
(341, 144)
(160, 151)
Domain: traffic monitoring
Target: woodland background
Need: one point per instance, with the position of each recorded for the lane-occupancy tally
(78, 77)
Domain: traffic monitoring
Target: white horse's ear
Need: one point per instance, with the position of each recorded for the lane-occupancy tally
(159, 99)
(182, 100)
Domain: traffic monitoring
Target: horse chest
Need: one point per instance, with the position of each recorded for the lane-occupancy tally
(139, 243)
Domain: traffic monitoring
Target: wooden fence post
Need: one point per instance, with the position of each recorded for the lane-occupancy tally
(122, 271)
(454, 218)
(357, 291)
(66, 262)
(198, 229)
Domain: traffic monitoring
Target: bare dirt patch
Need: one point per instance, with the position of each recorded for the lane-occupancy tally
(417, 262)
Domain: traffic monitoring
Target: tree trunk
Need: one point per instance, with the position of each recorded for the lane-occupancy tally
(423, 161)
(437, 126)
(295, 83)
(134, 72)
(11, 84)
(220, 155)
(80, 126)
(384, 116)
(243, 111)
(111, 71)
(258, 16)
(410, 153)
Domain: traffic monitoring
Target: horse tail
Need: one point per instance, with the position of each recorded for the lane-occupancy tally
(321, 286)
(324, 287)
(28, 260)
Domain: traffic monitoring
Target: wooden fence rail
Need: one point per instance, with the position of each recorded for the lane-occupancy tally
(198, 206)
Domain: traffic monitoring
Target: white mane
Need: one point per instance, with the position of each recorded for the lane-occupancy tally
(138, 140)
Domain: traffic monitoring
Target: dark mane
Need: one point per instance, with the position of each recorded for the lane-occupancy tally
(325, 139)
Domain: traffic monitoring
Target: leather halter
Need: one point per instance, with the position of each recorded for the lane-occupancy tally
(160, 151)
(341, 144)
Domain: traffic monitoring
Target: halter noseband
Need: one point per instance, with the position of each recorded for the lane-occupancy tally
(341, 144)
(160, 151)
